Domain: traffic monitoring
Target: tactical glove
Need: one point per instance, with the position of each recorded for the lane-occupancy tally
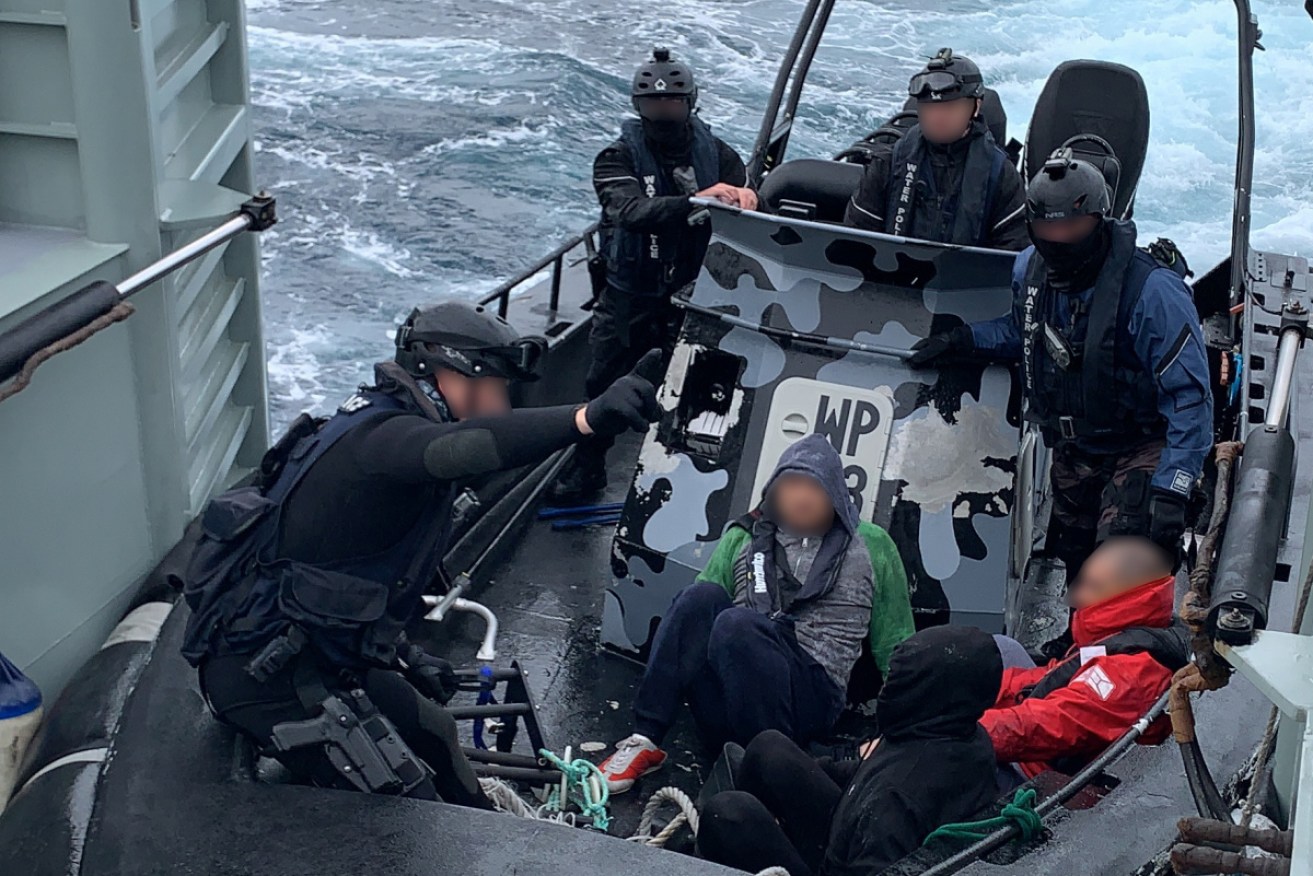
(927, 350)
(432, 676)
(630, 402)
(1167, 521)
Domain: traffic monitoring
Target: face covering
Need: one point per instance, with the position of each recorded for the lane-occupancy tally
(434, 395)
(668, 136)
(1073, 267)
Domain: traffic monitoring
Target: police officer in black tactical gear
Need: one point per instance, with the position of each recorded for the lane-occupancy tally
(946, 179)
(302, 583)
(1113, 366)
(644, 181)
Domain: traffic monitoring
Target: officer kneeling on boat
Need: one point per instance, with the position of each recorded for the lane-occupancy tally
(644, 181)
(946, 179)
(302, 584)
(1113, 366)
(767, 637)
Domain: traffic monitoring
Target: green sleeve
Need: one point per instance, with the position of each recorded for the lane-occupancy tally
(720, 568)
(891, 606)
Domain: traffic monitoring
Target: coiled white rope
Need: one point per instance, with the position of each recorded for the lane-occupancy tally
(506, 799)
(688, 814)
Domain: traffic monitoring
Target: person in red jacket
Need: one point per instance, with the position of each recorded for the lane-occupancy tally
(1124, 652)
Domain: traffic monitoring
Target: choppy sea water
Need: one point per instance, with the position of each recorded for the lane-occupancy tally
(421, 150)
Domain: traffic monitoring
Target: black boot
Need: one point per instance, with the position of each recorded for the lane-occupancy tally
(583, 479)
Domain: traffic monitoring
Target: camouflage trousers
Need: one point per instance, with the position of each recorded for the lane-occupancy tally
(1099, 495)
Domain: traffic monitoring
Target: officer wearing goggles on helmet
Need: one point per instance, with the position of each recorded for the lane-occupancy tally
(1113, 366)
(301, 585)
(946, 179)
(644, 181)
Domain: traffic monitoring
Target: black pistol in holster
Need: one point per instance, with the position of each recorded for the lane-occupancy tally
(361, 743)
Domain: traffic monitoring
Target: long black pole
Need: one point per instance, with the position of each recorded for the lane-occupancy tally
(1247, 39)
(757, 161)
(775, 150)
(1004, 835)
(87, 304)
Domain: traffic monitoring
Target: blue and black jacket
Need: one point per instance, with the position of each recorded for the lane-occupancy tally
(1140, 369)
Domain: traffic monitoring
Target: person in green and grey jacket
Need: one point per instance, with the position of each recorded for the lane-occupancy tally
(767, 636)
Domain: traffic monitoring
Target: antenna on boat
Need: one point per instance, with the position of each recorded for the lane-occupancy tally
(773, 136)
(1249, 36)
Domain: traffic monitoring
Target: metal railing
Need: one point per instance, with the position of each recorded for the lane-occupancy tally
(74, 318)
(556, 258)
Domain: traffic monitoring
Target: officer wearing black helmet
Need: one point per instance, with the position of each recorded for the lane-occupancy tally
(1113, 366)
(946, 179)
(644, 181)
(302, 584)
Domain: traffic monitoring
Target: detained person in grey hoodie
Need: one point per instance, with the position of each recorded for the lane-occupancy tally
(767, 637)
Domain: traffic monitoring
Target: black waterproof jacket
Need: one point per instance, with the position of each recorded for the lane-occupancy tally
(934, 763)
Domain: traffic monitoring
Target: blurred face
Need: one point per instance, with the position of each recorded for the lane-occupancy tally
(469, 397)
(1072, 230)
(663, 109)
(1099, 579)
(946, 122)
(1118, 565)
(800, 505)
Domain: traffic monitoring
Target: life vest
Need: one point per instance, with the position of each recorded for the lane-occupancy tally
(758, 569)
(915, 207)
(1166, 645)
(1103, 392)
(658, 264)
(243, 595)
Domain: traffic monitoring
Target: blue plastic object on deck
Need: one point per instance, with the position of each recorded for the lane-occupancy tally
(580, 510)
(19, 695)
(609, 518)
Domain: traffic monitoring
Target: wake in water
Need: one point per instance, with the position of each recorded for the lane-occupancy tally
(423, 152)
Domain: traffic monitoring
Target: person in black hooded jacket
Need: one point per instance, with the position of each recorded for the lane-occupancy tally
(933, 764)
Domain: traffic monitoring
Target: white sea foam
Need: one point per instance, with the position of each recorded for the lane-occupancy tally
(436, 158)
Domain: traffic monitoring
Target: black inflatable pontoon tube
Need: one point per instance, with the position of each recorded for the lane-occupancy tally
(1247, 560)
(1003, 835)
(64, 317)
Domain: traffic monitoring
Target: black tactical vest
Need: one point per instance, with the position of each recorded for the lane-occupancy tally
(914, 206)
(1101, 390)
(656, 265)
(243, 594)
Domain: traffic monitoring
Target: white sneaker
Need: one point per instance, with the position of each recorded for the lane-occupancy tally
(634, 758)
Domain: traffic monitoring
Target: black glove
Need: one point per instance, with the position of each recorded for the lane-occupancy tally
(432, 676)
(630, 402)
(927, 350)
(1167, 521)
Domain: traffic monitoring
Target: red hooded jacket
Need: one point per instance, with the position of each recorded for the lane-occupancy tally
(1108, 693)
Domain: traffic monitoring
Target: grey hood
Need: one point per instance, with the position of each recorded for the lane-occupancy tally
(816, 457)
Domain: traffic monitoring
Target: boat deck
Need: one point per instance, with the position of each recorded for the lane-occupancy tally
(548, 595)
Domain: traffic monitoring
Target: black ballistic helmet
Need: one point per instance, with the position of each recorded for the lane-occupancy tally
(663, 77)
(1066, 187)
(947, 77)
(469, 339)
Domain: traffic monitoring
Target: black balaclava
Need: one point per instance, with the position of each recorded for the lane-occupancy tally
(667, 125)
(670, 138)
(1073, 267)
